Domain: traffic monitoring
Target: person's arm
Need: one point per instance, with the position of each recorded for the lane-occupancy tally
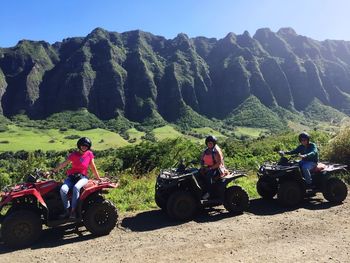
(313, 151)
(295, 151)
(61, 166)
(94, 170)
(202, 160)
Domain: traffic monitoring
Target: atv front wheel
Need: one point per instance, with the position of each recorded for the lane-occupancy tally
(160, 202)
(267, 187)
(290, 193)
(236, 199)
(335, 190)
(100, 218)
(181, 206)
(21, 228)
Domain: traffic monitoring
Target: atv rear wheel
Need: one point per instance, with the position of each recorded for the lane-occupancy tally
(100, 218)
(335, 190)
(236, 199)
(267, 187)
(182, 206)
(21, 228)
(290, 193)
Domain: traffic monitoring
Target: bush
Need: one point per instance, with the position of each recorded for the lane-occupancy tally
(3, 128)
(338, 149)
(79, 120)
(72, 137)
(4, 180)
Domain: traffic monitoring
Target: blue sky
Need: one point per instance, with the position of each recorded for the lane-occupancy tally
(53, 21)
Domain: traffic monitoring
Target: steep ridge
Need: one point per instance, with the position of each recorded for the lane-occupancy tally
(144, 77)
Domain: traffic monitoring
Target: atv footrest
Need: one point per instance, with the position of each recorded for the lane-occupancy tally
(58, 222)
(211, 202)
(310, 193)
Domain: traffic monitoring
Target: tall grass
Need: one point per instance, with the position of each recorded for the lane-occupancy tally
(134, 193)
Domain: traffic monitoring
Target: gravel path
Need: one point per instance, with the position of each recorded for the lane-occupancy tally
(315, 232)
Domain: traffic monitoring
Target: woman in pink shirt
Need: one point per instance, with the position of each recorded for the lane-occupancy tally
(81, 160)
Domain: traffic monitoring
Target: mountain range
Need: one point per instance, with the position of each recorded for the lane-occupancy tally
(141, 76)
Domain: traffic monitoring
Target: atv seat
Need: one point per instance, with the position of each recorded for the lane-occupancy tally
(88, 185)
(227, 176)
(319, 168)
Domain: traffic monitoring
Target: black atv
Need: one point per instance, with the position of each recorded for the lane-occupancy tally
(286, 180)
(179, 192)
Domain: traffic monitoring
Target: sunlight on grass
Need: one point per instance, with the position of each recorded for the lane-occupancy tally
(208, 131)
(30, 139)
(135, 135)
(166, 132)
(248, 131)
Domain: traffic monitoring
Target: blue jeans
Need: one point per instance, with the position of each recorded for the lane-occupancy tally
(68, 184)
(306, 166)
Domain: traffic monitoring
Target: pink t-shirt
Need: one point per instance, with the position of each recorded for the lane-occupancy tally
(80, 162)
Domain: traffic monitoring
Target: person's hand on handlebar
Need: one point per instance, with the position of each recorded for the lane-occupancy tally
(302, 156)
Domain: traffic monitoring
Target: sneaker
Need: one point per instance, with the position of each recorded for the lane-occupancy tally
(206, 196)
(64, 215)
(72, 215)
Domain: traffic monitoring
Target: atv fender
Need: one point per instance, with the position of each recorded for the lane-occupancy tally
(23, 193)
(92, 187)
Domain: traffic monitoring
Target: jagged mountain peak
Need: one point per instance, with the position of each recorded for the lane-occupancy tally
(141, 75)
(286, 31)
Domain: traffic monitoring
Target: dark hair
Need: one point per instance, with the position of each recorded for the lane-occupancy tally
(211, 138)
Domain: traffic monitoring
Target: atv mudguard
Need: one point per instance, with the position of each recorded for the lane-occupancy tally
(26, 192)
(92, 187)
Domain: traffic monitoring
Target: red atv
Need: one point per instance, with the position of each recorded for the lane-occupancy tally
(37, 201)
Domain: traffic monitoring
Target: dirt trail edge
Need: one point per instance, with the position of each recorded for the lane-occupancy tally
(314, 232)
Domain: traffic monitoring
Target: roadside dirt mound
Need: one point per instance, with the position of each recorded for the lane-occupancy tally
(315, 232)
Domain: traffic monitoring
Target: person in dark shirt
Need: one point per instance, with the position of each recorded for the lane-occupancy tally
(308, 153)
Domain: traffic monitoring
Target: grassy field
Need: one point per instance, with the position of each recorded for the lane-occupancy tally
(207, 130)
(247, 131)
(30, 139)
(135, 135)
(166, 132)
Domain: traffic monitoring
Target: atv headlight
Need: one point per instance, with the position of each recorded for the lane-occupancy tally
(262, 169)
(165, 175)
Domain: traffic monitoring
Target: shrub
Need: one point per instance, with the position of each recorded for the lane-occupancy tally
(72, 137)
(338, 149)
(4, 180)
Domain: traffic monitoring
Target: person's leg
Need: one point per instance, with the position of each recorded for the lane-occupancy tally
(306, 167)
(209, 181)
(68, 184)
(76, 191)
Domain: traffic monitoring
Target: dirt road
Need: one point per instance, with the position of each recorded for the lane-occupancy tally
(315, 232)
